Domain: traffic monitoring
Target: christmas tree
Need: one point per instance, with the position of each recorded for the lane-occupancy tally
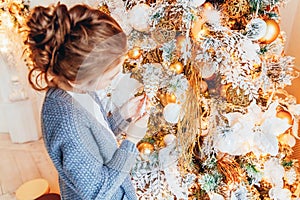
(221, 124)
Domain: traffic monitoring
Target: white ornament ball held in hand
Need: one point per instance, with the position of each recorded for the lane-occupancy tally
(124, 90)
(197, 3)
(171, 112)
(139, 16)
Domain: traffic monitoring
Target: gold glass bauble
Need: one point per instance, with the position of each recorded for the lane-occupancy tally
(223, 90)
(170, 98)
(272, 32)
(287, 139)
(208, 6)
(14, 8)
(145, 148)
(177, 67)
(134, 53)
(199, 30)
(166, 98)
(283, 114)
(203, 86)
(180, 40)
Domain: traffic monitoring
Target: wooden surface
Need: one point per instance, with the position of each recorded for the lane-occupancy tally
(23, 162)
(296, 149)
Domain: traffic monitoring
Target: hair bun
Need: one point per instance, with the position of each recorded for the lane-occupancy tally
(48, 28)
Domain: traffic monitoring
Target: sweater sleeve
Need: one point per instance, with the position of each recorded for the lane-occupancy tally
(90, 178)
(80, 162)
(117, 123)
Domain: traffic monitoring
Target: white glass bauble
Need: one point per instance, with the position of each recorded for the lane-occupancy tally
(138, 17)
(171, 112)
(280, 193)
(168, 139)
(125, 89)
(197, 3)
(256, 29)
(215, 196)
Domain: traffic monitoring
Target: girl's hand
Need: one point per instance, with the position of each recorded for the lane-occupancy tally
(131, 110)
(137, 130)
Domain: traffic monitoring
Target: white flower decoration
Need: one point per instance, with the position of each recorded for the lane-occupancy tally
(291, 176)
(274, 172)
(254, 131)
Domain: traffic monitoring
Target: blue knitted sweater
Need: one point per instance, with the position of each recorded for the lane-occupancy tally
(88, 160)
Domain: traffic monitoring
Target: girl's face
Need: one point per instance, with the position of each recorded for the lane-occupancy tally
(95, 83)
(108, 76)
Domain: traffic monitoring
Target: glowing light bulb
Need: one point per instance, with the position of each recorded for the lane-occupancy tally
(272, 32)
(177, 67)
(285, 115)
(208, 6)
(199, 30)
(134, 53)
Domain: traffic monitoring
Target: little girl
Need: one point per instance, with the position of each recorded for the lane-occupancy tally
(76, 52)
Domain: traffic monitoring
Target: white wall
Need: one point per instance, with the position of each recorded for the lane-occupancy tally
(4, 76)
(290, 23)
(18, 118)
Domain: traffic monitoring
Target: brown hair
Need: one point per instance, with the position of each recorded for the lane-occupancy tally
(64, 42)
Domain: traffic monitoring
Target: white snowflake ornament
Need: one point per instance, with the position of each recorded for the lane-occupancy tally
(274, 172)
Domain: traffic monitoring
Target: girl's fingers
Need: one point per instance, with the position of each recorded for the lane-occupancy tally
(135, 105)
(142, 117)
(136, 99)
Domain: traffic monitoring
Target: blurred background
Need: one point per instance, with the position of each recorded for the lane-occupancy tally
(290, 23)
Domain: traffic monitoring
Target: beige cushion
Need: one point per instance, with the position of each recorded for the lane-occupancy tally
(32, 189)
